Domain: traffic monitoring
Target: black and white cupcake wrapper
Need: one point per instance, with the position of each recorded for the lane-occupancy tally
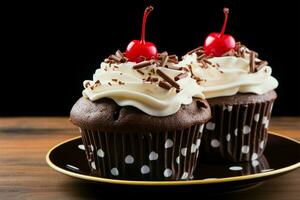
(143, 156)
(236, 132)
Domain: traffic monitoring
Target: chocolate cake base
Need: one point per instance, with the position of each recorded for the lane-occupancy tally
(125, 143)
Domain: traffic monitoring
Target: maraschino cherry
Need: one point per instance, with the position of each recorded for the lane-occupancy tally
(138, 51)
(217, 44)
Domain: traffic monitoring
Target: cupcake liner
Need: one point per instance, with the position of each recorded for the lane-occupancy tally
(236, 132)
(143, 156)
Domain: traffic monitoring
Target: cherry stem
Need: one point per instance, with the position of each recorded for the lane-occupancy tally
(226, 11)
(146, 13)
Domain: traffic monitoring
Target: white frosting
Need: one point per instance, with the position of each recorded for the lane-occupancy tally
(146, 96)
(232, 76)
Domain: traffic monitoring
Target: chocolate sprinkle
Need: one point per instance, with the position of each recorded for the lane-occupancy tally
(143, 64)
(114, 79)
(252, 62)
(164, 85)
(121, 55)
(87, 84)
(260, 65)
(194, 50)
(164, 61)
(109, 84)
(181, 76)
(168, 79)
(139, 71)
(174, 67)
(115, 58)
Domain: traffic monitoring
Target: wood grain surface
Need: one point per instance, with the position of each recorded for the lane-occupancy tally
(25, 175)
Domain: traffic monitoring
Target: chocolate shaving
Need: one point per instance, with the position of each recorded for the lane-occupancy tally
(252, 62)
(173, 56)
(143, 64)
(164, 61)
(163, 54)
(181, 76)
(201, 104)
(152, 79)
(168, 79)
(207, 61)
(200, 57)
(115, 58)
(194, 50)
(87, 84)
(174, 67)
(173, 61)
(164, 85)
(139, 71)
(121, 55)
(260, 65)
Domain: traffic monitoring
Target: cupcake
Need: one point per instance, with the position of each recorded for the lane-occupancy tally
(240, 91)
(141, 117)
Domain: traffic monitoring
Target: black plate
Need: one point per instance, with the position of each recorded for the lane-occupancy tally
(282, 155)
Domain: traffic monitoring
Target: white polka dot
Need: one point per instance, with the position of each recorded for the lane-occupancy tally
(235, 168)
(93, 165)
(114, 171)
(169, 143)
(129, 159)
(100, 153)
(210, 126)
(145, 169)
(153, 156)
(215, 143)
(185, 175)
(254, 163)
(193, 148)
(246, 129)
(229, 108)
(228, 137)
(254, 156)
(201, 128)
(236, 132)
(262, 144)
(198, 142)
(256, 117)
(266, 170)
(245, 149)
(264, 120)
(167, 173)
(81, 146)
(178, 160)
(184, 151)
(267, 124)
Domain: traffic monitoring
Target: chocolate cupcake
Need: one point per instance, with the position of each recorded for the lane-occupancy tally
(141, 121)
(240, 90)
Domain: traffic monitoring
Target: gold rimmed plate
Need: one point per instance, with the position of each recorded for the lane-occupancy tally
(282, 155)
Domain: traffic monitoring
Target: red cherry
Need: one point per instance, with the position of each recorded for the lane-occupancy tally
(138, 51)
(217, 44)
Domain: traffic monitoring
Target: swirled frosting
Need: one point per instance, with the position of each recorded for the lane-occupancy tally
(131, 87)
(229, 75)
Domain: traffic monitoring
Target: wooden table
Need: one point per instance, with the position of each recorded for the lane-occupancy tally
(24, 173)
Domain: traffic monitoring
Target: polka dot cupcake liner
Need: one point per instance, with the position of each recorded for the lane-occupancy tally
(236, 132)
(143, 156)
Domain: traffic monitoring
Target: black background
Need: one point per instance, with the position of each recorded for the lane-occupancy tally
(49, 48)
